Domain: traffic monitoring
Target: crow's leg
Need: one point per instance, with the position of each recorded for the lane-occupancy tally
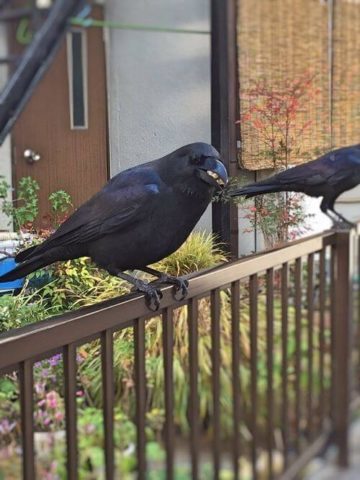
(324, 207)
(152, 294)
(327, 207)
(180, 284)
(334, 219)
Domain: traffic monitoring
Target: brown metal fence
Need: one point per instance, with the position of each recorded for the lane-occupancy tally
(290, 317)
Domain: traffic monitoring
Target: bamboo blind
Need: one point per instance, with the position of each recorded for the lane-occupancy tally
(281, 40)
(346, 73)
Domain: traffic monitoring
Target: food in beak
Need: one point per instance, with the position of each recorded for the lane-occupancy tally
(216, 177)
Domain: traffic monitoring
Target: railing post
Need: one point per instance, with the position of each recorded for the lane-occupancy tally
(342, 324)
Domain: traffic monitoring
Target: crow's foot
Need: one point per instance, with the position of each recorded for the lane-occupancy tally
(180, 285)
(340, 221)
(343, 224)
(152, 294)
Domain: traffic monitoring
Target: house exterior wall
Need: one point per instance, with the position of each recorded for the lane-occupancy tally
(158, 83)
(5, 151)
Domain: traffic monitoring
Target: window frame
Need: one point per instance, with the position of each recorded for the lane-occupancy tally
(84, 62)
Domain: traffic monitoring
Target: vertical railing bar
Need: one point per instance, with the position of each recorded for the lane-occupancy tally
(70, 410)
(235, 349)
(140, 389)
(322, 307)
(358, 311)
(194, 395)
(215, 357)
(26, 380)
(107, 365)
(332, 328)
(310, 341)
(253, 291)
(357, 371)
(169, 432)
(284, 354)
(298, 318)
(343, 344)
(270, 367)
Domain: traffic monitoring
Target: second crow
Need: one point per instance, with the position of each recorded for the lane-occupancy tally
(328, 177)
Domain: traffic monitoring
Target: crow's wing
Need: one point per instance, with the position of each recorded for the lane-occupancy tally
(114, 208)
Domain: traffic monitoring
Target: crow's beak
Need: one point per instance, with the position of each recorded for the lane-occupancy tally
(213, 171)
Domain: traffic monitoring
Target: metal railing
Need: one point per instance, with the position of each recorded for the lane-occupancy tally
(295, 307)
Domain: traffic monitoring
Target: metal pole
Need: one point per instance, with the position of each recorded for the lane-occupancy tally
(331, 19)
(224, 100)
(34, 63)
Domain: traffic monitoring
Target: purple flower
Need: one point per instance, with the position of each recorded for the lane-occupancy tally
(39, 388)
(45, 372)
(55, 360)
(6, 427)
(79, 358)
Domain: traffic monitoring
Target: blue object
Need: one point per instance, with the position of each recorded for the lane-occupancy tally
(6, 265)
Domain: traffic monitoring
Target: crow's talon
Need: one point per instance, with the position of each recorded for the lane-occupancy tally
(343, 225)
(153, 301)
(180, 286)
(152, 294)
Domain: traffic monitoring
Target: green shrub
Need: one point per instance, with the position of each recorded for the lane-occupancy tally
(24, 209)
(78, 283)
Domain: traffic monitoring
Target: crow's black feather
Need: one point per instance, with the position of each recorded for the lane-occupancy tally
(328, 176)
(140, 216)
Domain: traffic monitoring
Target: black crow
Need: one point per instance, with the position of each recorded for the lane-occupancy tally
(328, 176)
(139, 217)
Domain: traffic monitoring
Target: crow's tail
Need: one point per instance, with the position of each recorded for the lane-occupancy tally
(24, 269)
(24, 254)
(256, 189)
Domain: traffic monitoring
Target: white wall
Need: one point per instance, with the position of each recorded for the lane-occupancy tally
(158, 83)
(348, 204)
(5, 151)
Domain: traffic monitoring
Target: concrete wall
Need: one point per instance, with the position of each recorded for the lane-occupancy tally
(5, 152)
(158, 83)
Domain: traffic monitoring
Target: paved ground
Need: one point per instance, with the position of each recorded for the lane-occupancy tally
(325, 469)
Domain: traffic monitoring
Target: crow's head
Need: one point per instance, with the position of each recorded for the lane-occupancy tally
(198, 166)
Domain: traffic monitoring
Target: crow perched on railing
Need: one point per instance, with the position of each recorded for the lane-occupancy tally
(328, 176)
(139, 217)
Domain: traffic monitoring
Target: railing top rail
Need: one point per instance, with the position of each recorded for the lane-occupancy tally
(35, 340)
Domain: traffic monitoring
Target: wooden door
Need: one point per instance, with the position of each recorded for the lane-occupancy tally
(65, 122)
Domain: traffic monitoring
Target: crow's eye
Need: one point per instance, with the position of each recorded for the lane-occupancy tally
(197, 160)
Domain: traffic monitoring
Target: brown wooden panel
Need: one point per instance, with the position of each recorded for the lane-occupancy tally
(73, 160)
